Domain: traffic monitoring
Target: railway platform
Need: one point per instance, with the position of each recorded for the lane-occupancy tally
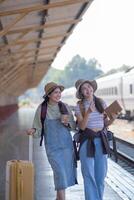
(118, 186)
(14, 145)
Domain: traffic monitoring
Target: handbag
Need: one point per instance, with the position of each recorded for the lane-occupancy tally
(109, 135)
(112, 140)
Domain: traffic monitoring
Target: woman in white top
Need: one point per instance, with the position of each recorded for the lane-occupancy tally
(93, 143)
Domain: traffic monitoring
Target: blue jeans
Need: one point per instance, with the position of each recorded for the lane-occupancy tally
(94, 170)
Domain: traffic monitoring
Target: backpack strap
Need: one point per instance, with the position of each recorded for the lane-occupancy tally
(42, 118)
(62, 108)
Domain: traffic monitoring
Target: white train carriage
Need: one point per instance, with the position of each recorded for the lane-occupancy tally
(119, 86)
(69, 96)
(128, 92)
(110, 88)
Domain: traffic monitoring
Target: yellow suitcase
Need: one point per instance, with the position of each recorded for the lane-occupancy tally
(19, 180)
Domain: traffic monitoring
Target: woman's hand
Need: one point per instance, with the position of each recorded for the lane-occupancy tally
(31, 131)
(65, 119)
(109, 121)
(91, 108)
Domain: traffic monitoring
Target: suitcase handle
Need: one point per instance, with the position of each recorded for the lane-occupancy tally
(30, 148)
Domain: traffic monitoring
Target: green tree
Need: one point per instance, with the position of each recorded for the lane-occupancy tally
(79, 68)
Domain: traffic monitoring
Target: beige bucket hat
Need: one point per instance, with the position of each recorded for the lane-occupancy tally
(49, 87)
(80, 82)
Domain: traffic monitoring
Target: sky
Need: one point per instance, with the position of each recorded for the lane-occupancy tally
(106, 33)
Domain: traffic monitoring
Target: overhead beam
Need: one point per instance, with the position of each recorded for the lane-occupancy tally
(40, 7)
(15, 72)
(41, 60)
(43, 48)
(8, 27)
(16, 80)
(5, 80)
(11, 68)
(47, 25)
(32, 56)
(8, 81)
(9, 74)
(29, 85)
(10, 57)
(14, 61)
(17, 39)
(28, 54)
(20, 42)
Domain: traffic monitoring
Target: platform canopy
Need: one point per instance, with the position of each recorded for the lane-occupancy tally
(32, 32)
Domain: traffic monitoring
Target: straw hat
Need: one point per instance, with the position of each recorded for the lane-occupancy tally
(49, 87)
(80, 82)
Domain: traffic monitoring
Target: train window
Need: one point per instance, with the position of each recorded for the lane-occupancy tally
(109, 91)
(131, 88)
(116, 91)
(106, 91)
(112, 90)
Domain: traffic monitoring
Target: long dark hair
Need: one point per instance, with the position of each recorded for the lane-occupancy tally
(98, 104)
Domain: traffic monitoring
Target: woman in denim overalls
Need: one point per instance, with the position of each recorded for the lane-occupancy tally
(58, 140)
(93, 155)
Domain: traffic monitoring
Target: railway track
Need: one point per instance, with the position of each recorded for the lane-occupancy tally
(124, 155)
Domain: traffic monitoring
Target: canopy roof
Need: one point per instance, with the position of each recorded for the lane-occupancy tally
(31, 34)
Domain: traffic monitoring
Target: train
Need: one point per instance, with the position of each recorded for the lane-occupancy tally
(118, 86)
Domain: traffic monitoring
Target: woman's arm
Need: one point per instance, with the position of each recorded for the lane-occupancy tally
(36, 127)
(83, 119)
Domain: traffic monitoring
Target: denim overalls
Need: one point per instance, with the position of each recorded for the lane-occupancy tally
(60, 153)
